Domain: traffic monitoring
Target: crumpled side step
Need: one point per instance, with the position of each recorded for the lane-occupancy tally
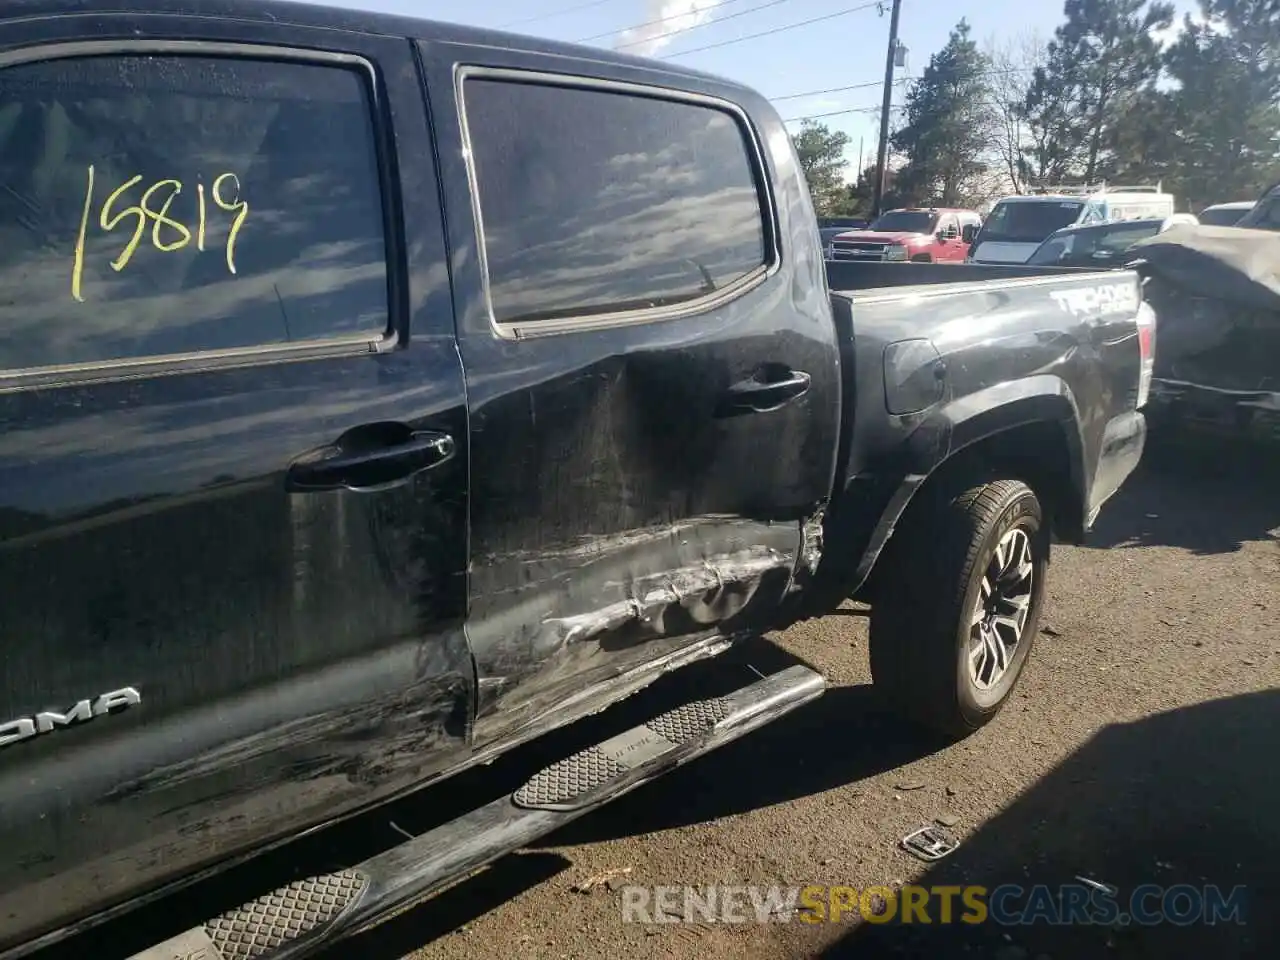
(300, 917)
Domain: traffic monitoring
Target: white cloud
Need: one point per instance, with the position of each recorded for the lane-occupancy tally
(664, 19)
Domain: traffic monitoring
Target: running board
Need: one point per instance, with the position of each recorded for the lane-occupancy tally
(299, 918)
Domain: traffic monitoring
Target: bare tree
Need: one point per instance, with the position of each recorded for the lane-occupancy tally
(1014, 61)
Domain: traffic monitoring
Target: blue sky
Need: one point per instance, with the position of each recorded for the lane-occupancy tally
(846, 47)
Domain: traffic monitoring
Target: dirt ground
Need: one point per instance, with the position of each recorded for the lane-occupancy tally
(1141, 747)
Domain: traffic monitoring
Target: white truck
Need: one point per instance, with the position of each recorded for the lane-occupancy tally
(1017, 225)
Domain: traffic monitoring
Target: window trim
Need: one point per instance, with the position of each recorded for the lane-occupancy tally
(525, 330)
(17, 379)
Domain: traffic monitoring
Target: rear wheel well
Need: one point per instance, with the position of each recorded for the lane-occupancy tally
(1035, 453)
(1038, 455)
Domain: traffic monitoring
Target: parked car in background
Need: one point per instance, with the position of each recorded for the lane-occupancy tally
(1102, 244)
(1265, 214)
(920, 235)
(831, 227)
(1018, 225)
(1226, 214)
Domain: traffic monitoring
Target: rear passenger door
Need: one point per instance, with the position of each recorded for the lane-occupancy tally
(232, 449)
(651, 381)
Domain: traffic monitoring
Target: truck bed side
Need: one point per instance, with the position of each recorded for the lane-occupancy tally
(1038, 366)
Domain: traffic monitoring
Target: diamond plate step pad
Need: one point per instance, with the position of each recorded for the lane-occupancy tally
(259, 926)
(565, 784)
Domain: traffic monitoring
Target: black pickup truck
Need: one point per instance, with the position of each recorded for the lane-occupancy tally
(378, 395)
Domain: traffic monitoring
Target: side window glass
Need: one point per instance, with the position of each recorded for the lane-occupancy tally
(155, 205)
(596, 202)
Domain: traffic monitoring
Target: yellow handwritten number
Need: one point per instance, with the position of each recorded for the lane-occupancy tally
(77, 270)
(236, 206)
(226, 194)
(109, 223)
(161, 217)
(200, 226)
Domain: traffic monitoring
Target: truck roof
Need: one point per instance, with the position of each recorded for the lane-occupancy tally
(349, 19)
(1082, 197)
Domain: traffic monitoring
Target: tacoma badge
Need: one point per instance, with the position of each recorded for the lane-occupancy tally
(26, 727)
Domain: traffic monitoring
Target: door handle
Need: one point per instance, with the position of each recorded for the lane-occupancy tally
(370, 458)
(766, 391)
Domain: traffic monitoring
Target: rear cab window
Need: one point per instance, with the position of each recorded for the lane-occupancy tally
(1029, 221)
(157, 205)
(600, 204)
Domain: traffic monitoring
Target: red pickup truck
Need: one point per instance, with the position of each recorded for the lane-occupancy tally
(930, 235)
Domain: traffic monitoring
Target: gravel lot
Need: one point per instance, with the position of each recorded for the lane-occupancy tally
(1140, 748)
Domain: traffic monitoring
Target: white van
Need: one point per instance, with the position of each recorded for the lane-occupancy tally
(1018, 225)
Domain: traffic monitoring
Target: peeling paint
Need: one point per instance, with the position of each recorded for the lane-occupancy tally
(705, 592)
(811, 541)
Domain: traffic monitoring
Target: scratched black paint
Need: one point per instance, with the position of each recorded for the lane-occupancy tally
(613, 508)
(614, 517)
(298, 655)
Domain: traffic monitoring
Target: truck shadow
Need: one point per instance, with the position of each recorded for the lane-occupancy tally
(1184, 797)
(798, 750)
(804, 753)
(1196, 494)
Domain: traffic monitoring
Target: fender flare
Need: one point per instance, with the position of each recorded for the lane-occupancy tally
(956, 427)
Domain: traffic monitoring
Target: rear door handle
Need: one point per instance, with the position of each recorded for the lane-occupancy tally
(369, 458)
(765, 392)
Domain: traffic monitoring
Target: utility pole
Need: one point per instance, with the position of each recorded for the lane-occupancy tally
(883, 156)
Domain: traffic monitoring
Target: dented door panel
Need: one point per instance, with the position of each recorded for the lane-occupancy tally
(628, 508)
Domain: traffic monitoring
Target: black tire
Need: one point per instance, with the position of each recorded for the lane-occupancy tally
(927, 597)
(922, 258)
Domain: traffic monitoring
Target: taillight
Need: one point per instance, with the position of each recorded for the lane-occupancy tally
(1146, 351)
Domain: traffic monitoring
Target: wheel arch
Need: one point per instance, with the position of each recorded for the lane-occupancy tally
(1034, 437)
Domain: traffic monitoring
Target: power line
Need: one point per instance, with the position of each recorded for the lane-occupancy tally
(992, 104)
(707, 23)
(814, 93)
(875, 83)
(649, 23)
(835, 113)
(557, 13)
(768, 33)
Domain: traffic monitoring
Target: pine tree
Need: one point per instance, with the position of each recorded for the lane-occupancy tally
(821, 153)
(1101, 63)
(1224, 111)
(945, 133)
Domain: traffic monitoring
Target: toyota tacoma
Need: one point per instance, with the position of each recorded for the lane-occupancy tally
(380, 394)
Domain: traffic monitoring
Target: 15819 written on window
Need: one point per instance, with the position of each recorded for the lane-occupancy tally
(157, 205)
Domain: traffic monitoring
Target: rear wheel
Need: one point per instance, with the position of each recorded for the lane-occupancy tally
(959, 603)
